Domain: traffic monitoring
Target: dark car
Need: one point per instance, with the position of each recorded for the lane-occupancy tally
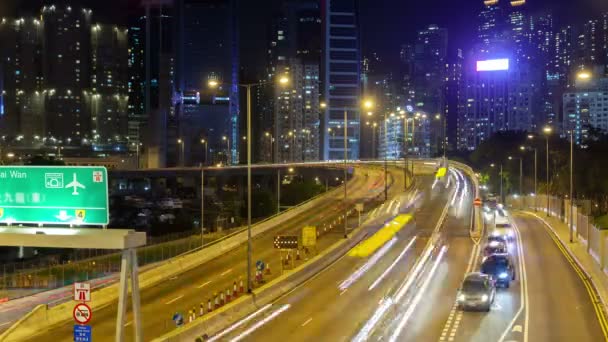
(477, 292)
(500, 268)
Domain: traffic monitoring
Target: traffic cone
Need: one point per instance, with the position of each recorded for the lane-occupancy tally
(217, 301)
(201, 310)
(222, 299)
(228, 296)
(298, 254)
(268, 268)
(241, 288)
(190, 319)
(209, 308)
(194, 312)
(235, 293)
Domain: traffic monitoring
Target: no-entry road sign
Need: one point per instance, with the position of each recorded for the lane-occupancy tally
(54, 195)
(82, 313)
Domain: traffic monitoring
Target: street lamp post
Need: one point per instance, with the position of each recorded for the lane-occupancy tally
(345, 171)
(547, 130)
(180, 142)
(203, 206)
(385, 159)
(228, 154)
(212, 83)
(501, 196)
(571, 186)
(405, 148)
(271, 138)
(205, 142)
(520, 172)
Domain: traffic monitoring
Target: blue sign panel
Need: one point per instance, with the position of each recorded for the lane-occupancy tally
(82, 333)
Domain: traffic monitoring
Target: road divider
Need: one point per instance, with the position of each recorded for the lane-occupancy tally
(270, 292)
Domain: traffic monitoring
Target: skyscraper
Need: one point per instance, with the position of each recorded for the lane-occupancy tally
(503, 75)
(207, 39)
(136, 80)
(107, 101)
(22, 92)
(66, 70)
(296, 51)
(452, 101)
(341, 75)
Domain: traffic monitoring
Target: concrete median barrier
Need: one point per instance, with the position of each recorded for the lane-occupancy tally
(227, 315)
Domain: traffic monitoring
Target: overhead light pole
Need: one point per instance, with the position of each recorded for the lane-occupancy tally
(547, 130)
(283, 80)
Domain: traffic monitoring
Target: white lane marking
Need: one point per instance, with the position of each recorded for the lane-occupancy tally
(174, 300)
(388, 269)
(5, 323)
(128, 323)
(422, 290)
(204, 284)
(239, 323)
(343, 291)
(261, 323)
(523, 288)
(307, 321)
(450, 325)
(226, 272)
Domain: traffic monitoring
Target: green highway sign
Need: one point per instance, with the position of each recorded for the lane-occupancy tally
(54, 195)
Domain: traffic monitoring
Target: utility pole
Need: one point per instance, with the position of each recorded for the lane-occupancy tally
(202, 207)
(345, 171)
(571, 187)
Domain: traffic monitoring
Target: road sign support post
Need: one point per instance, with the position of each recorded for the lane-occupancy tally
(122, 297)
(128, 269)
(135, 297)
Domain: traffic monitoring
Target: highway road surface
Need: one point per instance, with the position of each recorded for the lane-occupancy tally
(547, 302)
(192, 288)
(324, 308)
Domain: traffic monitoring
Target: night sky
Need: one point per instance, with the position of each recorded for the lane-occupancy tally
(384, 27)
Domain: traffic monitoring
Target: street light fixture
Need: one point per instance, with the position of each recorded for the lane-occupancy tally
(228, 154)
(182, 157)
(583, 75)
(206, 143)
(282, 80)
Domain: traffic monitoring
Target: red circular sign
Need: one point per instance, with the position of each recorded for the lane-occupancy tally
(82, 313)
(477, 202)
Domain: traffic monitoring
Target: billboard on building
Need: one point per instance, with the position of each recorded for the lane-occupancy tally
(493, 65)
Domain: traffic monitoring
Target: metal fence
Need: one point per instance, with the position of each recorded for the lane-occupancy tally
(595, 239)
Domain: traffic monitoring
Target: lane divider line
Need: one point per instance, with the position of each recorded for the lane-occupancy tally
(523, 288)
(204, 284)
(307, 321)
(393, 264)
(259, 324)
(412, 306)
(174, 300)
(450, 326)
(226, 272)
(239, 323)
(589, 286)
